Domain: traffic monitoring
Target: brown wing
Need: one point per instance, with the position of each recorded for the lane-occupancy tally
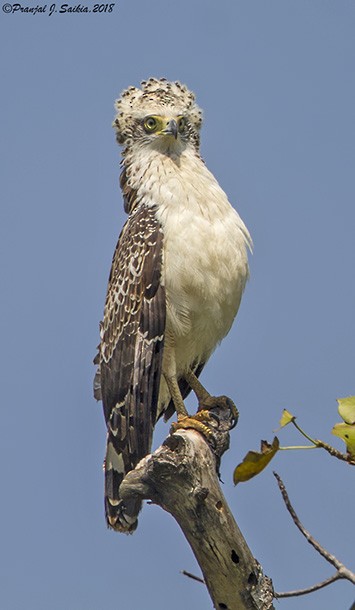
(131, 350)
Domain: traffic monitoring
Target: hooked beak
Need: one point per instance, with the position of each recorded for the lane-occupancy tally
(171, 129)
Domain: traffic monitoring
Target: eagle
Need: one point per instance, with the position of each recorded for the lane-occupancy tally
(177, 277)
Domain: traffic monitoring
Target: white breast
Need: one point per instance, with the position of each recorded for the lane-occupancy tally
(205, 258)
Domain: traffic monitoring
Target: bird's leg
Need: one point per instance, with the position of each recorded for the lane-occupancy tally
(169, 372)
(184, 420)
(206, 402)
(197, 387)
(200, 421)
(204, 420)
(175, 394)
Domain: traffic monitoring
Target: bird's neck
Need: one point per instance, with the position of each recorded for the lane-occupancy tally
(153, 174)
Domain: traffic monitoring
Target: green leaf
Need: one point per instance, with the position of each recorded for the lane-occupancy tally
(255, 461)
(347, 433)
(286, 418)
(346, 408)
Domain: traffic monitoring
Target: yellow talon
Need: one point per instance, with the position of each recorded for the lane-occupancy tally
(197, 422)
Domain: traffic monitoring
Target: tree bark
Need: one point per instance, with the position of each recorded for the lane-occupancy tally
(181, 477)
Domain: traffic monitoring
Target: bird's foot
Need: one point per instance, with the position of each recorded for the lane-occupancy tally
(213, 411)
(203, 421)
(215, 405)
(214, 419)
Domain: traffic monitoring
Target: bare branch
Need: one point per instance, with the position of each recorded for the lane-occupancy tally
(185, 573)
(319, 585)
(342, 571)
(181, 478)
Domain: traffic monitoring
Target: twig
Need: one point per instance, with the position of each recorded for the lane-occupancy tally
(346, 457)
(315, 587)
(335, 453)
(185, 573)
(342, 571)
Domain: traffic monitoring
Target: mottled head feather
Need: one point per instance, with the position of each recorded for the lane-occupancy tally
(156, 96)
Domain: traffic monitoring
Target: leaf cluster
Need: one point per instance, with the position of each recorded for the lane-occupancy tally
(255, 461)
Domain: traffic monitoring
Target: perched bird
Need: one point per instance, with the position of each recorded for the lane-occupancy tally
(176, 281)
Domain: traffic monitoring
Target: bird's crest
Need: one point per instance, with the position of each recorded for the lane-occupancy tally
(155, 96)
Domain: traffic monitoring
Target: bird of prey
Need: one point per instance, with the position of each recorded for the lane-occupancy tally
(176, 281)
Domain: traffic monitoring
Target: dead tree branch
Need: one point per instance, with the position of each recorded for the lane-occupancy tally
(316, 587)
(342, 571)
(181, 477)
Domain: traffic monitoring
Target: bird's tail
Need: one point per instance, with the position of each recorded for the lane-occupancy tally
(120, 516)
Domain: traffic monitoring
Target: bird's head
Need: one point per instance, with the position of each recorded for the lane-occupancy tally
(161, 114)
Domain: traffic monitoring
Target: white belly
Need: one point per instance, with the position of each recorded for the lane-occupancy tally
(205, 263)
(205, 273)
(205, 260)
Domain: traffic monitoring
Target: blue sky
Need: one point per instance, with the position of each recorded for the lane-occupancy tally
(276, 81)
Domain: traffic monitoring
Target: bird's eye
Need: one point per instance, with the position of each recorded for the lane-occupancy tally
(181, 124)
(150, 124)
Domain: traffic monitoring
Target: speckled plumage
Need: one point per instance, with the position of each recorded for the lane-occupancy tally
(176, 280)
